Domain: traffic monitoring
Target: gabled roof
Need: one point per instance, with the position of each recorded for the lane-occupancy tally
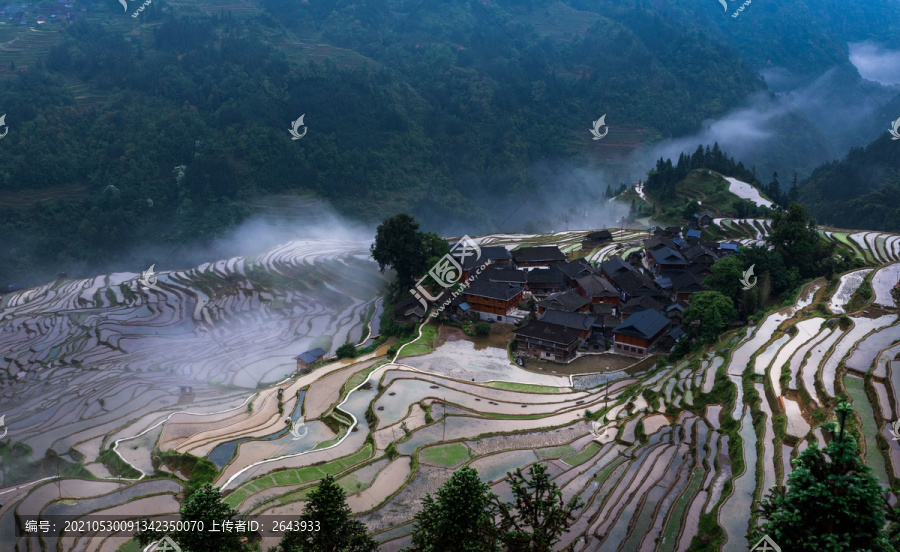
(614, 265)
(656, 242)
(725, 246)
(550, 275)
(487, 253)
(700, 270)
(507, 275)
(668, 256)
(676, 333)
(545, 331)
(567, 301)
(693, 233)
(537, 254)
(408, 306)
(687, 282)
(706, 213)
(645, 324)
(634, 283)
(577, 320)
(594, 285)
(602, 308)
(695, 252)
(492, 290)
(639, 304)
(600, 235)
(311, 355)
(576, 269)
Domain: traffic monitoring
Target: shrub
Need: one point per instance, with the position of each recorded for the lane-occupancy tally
(482, 328)
(347, 350)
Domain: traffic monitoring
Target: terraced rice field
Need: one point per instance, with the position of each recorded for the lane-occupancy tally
(95, 364)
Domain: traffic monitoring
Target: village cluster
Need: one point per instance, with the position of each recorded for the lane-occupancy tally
(631, 306)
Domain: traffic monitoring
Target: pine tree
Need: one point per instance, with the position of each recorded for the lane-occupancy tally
(458, 519)
(832, 501)
(333, 530)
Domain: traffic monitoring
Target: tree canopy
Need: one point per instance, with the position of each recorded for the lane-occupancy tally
(832, 502)
(204, 505)
(327, 511)
(458, 519)
(708, 315)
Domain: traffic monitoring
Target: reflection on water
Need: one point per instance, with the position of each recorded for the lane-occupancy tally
(222, 454)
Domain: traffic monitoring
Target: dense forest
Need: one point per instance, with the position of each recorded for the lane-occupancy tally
(442, 109)
(859, 191)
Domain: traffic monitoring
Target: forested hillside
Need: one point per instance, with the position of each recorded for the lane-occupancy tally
(859, 191)
(167, 127)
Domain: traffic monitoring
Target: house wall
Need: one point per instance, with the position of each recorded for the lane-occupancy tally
(554, 352)
(492, 306)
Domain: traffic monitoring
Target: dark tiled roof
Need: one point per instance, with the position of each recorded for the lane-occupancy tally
(311, 355)
(545, 331)
(568, 301)
(600, 235)
(656, 242)
(509, 275)
(602, 308)
(640, 303)
(408, 306)
(686, 281)
(596, 286)
(699, 269)
(537, 254)
(645, 324)
(576, 269)
(550, 275)
(577, 320)
(614, 265)
(634, 283)
(698, 251)
(493, 290)
(668, 256)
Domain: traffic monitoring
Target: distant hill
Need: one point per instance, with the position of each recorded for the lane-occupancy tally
(862, 190)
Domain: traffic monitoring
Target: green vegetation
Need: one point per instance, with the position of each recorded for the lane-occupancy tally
(557, 452)
(14, 457)
(522, 387)
(327, 525)
(838, 496)
(207, 507)
(347, 350)
(583, 456)
(199, 471)
(482, 328)
(458, 518)
(424, 344)
(116, 466)
(445, 455)
(298, 475)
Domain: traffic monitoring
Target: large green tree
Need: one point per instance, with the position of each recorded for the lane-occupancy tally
(795, 237)
(708, 315)
(725, 276)
(458, 519)
(832, 502)
(204, 505)
(401, 246)
(538, 517)
(327, 512)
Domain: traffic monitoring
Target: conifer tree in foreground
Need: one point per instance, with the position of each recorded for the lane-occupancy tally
(833, 503)
(334, 530)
